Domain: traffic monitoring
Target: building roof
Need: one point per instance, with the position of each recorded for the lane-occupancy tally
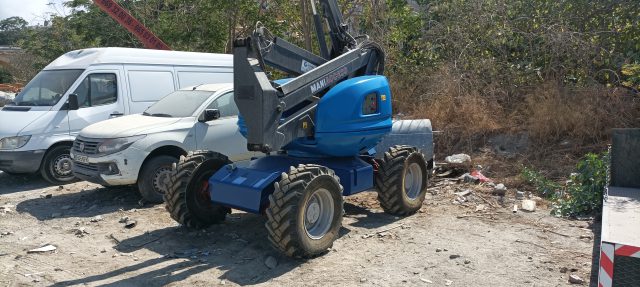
(81, 59)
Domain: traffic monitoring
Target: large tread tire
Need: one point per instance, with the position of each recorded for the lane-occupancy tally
(390, 180)
(184, 198)
(285, 215)
(53, 157)
(150, 191)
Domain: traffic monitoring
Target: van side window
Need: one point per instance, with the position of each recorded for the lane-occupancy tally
(97, 89)
(226, 105)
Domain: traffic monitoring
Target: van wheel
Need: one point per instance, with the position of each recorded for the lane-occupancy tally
(154, 178)
(56, 166)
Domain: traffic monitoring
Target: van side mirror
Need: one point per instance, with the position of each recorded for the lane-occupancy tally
(210, 115)
(72, 103)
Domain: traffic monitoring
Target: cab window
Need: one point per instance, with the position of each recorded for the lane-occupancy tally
(226, 105)
(96, 90)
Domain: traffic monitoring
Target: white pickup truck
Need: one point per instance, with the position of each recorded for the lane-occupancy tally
(140, 149)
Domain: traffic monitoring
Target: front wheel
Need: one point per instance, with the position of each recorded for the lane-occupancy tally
(401, 181)
(56, 165)
(305, 211)
(154, 178)
(187, 198)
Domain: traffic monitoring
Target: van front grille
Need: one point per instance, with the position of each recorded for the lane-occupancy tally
(85, 146)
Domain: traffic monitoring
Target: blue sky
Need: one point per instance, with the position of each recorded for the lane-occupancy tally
(34, 11)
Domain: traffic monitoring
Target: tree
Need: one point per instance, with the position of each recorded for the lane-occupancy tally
(11, 30)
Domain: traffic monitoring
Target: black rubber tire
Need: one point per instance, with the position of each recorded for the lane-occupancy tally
(184, 200)
(146, 187)
(47, 166)
(285, 219)
(390, 180)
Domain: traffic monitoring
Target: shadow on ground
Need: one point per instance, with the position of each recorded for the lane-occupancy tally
(19, 183)
(238, 248)
(84, 203)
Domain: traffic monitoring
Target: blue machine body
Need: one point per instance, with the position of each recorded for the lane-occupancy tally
(350, 120)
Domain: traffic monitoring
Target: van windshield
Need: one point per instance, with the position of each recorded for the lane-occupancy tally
(46, 88)
(179, 104)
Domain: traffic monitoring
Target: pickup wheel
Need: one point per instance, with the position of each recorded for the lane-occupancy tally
(305, 211)
(187, 198)
(401, 181)
(153, 180)
(56, 165)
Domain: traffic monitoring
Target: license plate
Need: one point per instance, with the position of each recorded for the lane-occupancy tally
(81, 158)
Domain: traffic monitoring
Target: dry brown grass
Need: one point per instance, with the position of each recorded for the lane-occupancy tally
(563, 123)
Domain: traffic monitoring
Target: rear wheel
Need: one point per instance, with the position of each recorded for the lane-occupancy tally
(305, 211)
(401, 181)
(187, 199)
(154, 178)
(56, 165)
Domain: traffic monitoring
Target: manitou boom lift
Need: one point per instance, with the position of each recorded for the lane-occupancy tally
(318, 131)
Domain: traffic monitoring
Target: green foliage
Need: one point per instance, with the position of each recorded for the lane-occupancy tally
(631, 73)
(11, 30)
(582, 193)
(5, 76)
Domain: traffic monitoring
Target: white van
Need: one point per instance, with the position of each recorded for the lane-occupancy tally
(140, 149)
(88, 86)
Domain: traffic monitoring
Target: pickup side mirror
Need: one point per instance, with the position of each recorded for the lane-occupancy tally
(210, 115)
(72, 103)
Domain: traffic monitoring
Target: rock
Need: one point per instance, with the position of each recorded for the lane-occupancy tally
(438, 249)
(66, 207)
(60, 187)
(130, 224)
(586, 237)
(45, 248)
(454, 256)
(97, 218)
(124, 219)
(271, 262)
(574, 279)
(467, 261)
(564, 270)
(500, 189)
(58, 269)
(448, 282)
(48, 195)
(529, 205)
(458, 159)
(480, 207)
(519, 195)
(468, 178)
(426, 280)
(362, 280)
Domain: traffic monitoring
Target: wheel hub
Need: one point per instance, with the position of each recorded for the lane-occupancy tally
(161, 179)
(318, 213)
(412, 181)
(62, 165)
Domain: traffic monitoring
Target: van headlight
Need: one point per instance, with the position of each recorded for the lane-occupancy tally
(115, 145)
(13, 142)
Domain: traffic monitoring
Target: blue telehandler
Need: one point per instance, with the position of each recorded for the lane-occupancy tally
(318, 130)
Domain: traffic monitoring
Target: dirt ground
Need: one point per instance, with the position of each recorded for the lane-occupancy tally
(448, 243)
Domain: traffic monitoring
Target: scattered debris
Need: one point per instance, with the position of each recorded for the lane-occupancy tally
(362, 280)
(519, 195)
(45, 248)
(454, 256)
(500, 189)
(477, 174)
(529, 205)
(515, 208)
(438, 249)
(79, 232)
(6, 209)
(426, 280)
(130, 224)
(97, 218)
(124, 219)
(574, 279)
(448, 282)
(467, 261)
(564, 270)
(468, 178)
(458, 159)
(271, 262)
(464, 193)
(5, 233)
(480, 207)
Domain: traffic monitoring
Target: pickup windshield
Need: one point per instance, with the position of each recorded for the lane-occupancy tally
(178, 104)
(46, 88)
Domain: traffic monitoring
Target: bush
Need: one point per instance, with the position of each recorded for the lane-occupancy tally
(582, 193)
(5, 76)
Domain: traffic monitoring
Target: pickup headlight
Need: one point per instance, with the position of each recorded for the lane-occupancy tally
(13, 142)
(115, 145)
